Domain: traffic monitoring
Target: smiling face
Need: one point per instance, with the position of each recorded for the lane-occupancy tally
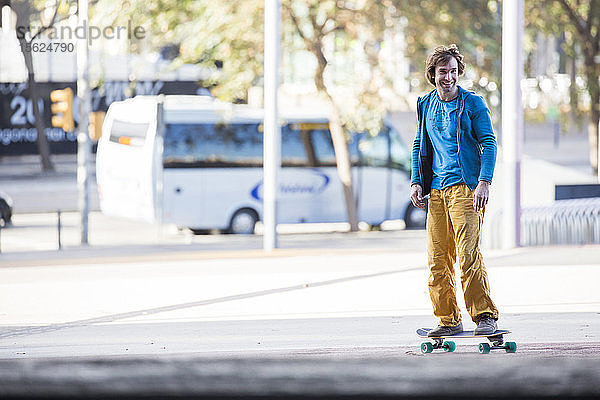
(446, 77)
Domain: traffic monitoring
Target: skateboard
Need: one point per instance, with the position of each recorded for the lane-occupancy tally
(441, 342)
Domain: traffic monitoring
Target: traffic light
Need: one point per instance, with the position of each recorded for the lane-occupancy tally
(62, 109)
(96, 120)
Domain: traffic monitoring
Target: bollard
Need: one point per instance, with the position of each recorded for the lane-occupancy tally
(59, 229)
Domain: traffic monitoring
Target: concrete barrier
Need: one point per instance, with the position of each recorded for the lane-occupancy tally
(432, 376)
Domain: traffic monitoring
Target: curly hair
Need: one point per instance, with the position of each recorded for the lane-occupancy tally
(442, 55)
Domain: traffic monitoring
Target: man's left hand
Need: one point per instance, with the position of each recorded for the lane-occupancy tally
(481, 195)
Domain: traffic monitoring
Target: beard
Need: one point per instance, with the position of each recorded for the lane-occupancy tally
(447, 87)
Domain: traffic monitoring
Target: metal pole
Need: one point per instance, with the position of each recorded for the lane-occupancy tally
(512, 118)
(158, 172)
(59, 228)
(83, 139)
(272, 130)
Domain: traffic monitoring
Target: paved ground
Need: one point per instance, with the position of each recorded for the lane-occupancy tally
(326, 322)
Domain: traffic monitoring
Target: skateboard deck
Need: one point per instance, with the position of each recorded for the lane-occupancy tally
(442, 342)
(464, 334)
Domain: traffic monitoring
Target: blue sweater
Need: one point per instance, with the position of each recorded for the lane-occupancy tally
(476, 142)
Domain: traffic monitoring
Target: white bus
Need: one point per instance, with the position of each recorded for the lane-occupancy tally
(196, 162)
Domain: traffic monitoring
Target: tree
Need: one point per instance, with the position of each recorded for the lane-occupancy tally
(316, 23)
(227, 37)
(25, 16)
(579, 23)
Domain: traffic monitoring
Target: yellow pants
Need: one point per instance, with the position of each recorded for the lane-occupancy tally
(453, 227)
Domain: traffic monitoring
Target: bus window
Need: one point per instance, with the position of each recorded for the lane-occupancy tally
(212, 145)
(306, 145)
(296, 147)
(324, 147)
(398, 151)
(128, 133)
(241, 145)
(374, 150)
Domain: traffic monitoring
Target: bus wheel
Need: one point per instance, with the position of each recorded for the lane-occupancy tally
(243, 222)
(415, 218)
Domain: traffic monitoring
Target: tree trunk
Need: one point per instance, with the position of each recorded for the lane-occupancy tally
(340, 146)
(42, 139)
(594, 90)
(574, 120)
(593, 132)
(314, 44)
(344, 165)
(342, 155)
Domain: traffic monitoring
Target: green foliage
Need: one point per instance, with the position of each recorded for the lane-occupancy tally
(225, 37)
(473, 25)
(349, 25)
(229, 33)
(577, 24)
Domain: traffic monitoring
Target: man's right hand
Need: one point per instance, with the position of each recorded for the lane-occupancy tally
(416, 196)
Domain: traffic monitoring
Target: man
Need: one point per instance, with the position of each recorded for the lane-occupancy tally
(453, 159)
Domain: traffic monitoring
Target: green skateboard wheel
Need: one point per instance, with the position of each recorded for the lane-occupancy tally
(484, 348)
(426, 347)
(449, 346)
(511, 347)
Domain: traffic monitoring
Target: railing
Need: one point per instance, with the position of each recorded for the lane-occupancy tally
(574, 221)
